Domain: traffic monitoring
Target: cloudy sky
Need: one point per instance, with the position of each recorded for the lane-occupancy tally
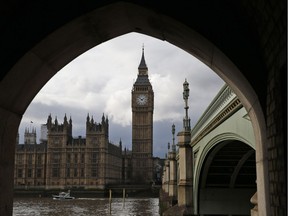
(100, 81)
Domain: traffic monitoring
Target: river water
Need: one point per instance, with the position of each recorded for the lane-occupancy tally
(86, 207)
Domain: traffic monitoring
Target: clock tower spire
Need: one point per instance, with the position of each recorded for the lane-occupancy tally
(142, 125)
(142, 69)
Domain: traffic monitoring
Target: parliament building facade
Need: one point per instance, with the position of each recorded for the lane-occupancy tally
(62, 161)
(92, 162)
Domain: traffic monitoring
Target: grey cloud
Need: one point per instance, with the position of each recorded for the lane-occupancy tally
(100, 81)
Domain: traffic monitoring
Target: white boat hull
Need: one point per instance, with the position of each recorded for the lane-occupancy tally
(63, 196)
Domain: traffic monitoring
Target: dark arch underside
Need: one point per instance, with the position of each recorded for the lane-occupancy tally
(230, 166)
(228, 179)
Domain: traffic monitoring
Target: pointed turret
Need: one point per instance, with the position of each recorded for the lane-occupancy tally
(65, 121)
(142, 78)
(142, 69)
(142, 64)
(49, 121)
(30, 136)
(120, 145)
(87, 121)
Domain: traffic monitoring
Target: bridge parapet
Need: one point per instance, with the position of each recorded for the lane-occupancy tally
(222, 106)
(224, 96)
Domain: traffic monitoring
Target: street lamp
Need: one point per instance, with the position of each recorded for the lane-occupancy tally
(173, 133)
(186, 120)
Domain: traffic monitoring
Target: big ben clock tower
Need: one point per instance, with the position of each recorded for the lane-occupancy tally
(142, 126)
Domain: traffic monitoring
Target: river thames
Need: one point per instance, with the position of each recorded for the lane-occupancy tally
(86, 207)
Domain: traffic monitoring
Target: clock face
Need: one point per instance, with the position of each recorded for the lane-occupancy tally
(142, 99)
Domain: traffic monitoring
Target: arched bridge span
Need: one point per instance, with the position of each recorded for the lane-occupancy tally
(223, 148)
(221, 163)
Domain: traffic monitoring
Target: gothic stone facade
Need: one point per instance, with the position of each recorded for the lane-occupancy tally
(63, 161)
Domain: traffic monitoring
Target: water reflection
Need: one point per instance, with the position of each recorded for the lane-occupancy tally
(85, 206)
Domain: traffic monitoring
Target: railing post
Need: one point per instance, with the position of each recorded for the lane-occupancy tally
(110, 201)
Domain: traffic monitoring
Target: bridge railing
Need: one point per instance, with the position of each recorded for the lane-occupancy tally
(224, 97)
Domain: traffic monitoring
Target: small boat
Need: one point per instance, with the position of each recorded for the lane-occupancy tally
(63, 196)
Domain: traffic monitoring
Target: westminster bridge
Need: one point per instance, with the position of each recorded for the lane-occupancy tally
(221, 163)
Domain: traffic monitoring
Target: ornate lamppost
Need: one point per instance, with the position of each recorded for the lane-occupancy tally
(186, 120)
(173, 135)
(173, 171)
(185, 158)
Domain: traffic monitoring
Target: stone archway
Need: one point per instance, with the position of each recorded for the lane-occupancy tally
(40, 63)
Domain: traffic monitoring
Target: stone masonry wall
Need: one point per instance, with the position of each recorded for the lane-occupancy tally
(270, 17)
(275, 55)
(273, 32)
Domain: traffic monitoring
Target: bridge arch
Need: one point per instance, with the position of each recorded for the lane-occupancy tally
(205, 157)
(56, 50)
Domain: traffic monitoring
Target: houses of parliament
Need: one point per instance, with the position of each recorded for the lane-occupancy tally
(92, 162)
